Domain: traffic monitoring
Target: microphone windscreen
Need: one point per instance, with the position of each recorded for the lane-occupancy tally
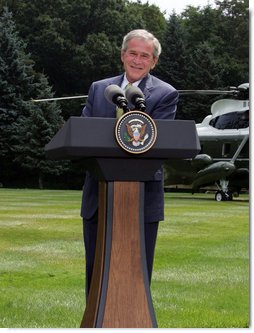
(132, 93)
(111, 92)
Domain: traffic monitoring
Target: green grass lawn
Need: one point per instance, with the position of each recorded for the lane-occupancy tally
(201, 269)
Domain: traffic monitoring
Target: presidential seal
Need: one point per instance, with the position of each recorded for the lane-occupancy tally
(136, 132)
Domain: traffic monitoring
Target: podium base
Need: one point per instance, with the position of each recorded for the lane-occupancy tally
(120, 295)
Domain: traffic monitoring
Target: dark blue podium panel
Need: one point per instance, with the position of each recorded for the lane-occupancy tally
(93, 140)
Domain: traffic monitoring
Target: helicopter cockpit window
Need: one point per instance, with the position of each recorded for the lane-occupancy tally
(232, 120)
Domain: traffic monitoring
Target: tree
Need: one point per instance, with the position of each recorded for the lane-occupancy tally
(25, 128)
(172, 64)
(203, 74)
(199, 25)
(145, 16)
(16, 83)
(75, 42)
(66, 37)
(233, 30)
(35, 131)
(226, 28)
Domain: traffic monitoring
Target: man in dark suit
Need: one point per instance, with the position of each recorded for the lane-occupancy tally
(140, 53)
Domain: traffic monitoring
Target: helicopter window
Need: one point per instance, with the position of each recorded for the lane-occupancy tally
(232, 120)
(226, 149)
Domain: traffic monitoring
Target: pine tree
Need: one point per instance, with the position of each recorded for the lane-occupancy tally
(172, 63)
(36, 131)
(25, 127)
(15, 83)
(203, 74)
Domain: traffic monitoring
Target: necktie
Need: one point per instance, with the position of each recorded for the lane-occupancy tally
(119, 111)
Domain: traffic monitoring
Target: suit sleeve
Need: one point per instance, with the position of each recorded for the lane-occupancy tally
(166, 106)
(87, 111)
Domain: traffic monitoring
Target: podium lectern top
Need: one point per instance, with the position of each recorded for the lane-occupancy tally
(93, 140)
(95, 137)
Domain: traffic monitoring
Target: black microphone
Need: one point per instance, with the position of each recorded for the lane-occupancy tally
(136, 97)
(115, 95)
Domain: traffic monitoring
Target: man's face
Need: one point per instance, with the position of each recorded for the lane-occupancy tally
(138, 59)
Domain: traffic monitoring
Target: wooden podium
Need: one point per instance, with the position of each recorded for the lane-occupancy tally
(119, 295)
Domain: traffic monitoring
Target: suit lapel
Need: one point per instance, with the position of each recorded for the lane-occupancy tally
(145, 85)
(117, 80)
(111, 108)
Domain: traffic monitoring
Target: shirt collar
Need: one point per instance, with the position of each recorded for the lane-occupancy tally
(125, 82)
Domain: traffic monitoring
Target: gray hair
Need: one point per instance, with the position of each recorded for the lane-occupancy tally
(145, 35)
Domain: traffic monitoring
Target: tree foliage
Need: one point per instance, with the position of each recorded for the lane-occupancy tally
(68, 44)
(25, 127)
(226, 29)
(15, 83)
(203, 73)
(172, 65)
(74, 40)
(202, 49)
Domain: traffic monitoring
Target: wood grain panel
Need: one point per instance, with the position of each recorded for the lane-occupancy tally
(126, 302)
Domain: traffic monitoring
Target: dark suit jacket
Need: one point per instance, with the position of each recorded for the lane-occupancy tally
(161, 100)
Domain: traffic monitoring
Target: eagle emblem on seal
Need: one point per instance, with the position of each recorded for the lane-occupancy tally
(136, 132)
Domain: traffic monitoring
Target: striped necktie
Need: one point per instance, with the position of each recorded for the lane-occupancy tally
(119, 111)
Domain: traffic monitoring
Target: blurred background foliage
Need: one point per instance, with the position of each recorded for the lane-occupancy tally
(55, 49)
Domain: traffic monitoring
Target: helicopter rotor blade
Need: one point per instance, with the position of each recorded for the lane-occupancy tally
(57, 98)
(207, 92)
(240, 91)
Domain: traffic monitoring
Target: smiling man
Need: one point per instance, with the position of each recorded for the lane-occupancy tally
(140, 54)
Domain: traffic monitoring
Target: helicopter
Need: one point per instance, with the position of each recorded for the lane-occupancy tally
(224, 139)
